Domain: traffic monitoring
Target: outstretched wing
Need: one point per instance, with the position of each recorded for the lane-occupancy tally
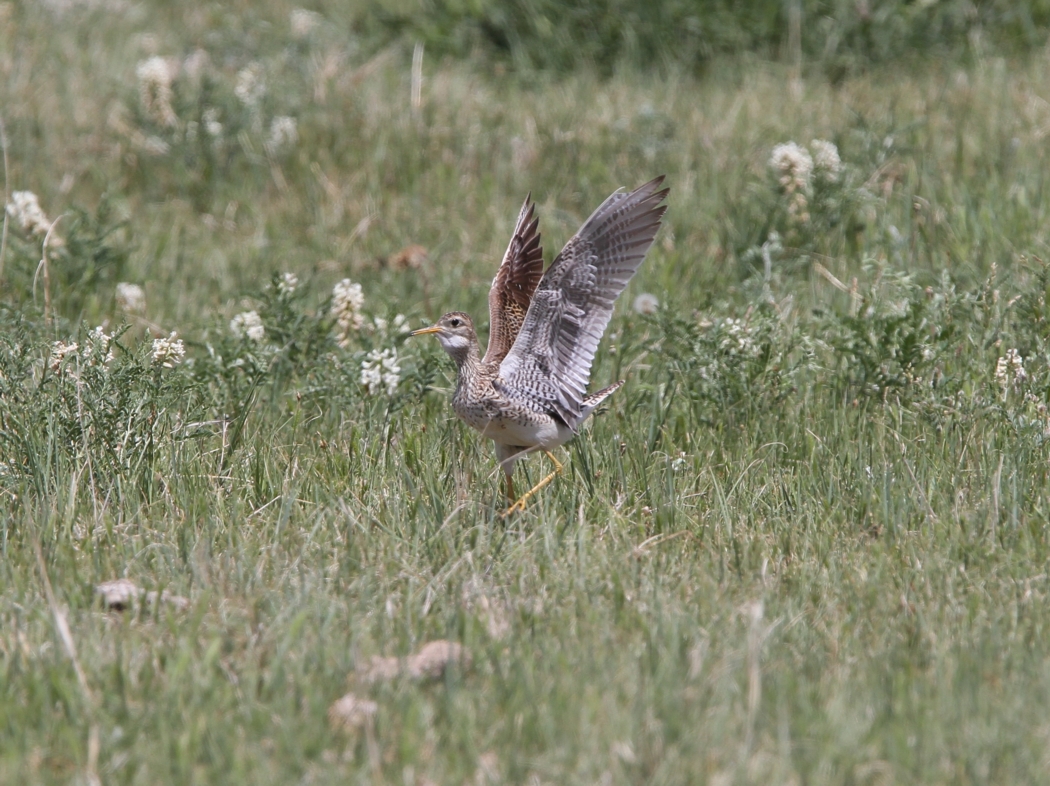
(550, 362)
(515, 281)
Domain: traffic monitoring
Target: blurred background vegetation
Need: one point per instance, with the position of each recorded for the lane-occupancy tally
(842, 36)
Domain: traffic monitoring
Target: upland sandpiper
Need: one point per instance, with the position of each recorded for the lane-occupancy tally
(529, 392)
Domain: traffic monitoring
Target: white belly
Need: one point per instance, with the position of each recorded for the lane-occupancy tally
(543, 432)
(546, 435)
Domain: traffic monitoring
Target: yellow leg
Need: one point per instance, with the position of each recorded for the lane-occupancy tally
(510, 488)
(519, 506)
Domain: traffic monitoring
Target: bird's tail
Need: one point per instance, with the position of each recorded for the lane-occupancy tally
(593, 401)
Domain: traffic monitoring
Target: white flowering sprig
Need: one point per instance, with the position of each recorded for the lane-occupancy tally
(287, 284)
(284, 134)
(384, 328)
(736, 339)
(27, 215)
(212, 124)
(248, 324)
(379, 370)
(99, 350)
(793, 167)
(155, 77)
(61, 351)
(827, 165)
(303, 22)
(250, 87)
(168, 352)
(131, 298)
(1009, 372)
(347, 301)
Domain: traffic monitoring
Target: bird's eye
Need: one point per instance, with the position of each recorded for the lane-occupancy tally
(455, 322)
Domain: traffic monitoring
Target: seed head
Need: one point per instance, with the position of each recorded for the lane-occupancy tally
(646, 303)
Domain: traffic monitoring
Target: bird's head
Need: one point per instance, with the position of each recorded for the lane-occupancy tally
(455, 331)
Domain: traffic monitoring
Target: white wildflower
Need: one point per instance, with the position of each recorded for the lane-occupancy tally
(100, 346)
(155, 78)
(303, 22)
(380, 368)
(736, 339)
(24, 209)
(1009, 370)
(798, 208)
(284, 134)
(287, 284)
(679, 463)
(155, 146)
(645, 303)
(60, 350)
(793, 166)
(347, 300)
(1002, 373)
(248, 323)
(168, 352)
(99, 336)
(384, 327)
(826, 161)
(210, 118)
(131, 298)
(250, 87)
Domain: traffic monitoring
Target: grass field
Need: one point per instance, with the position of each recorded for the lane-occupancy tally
(807, 543)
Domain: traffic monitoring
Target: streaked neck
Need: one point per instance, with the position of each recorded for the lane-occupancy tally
(466, 356)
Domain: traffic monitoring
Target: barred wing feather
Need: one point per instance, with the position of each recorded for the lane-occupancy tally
(515, 281)
(549, 364)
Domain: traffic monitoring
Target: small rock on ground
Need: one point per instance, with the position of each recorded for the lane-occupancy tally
(351, 712)
(121, 594)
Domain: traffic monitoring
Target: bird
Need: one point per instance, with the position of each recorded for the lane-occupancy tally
(529, 391)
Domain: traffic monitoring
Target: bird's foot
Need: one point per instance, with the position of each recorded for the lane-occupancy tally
(519, 506)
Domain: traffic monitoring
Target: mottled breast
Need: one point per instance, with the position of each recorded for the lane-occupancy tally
(508, 422)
